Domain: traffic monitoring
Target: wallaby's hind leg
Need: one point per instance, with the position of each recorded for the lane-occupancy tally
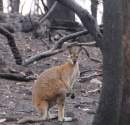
(61, 117)
(61, 112)
(60, 102)
(43, 109)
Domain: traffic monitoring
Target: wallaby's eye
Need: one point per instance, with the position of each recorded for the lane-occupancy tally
(71, 56)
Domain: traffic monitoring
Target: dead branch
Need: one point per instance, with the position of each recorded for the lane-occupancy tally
(45, 43)
(30, 120)
(8, 27)
(45, 7)
(17, 77)
(11, 43)
(97, 90)
(90, 70)
(40, 119)
(84, 78)
(96, 60)
(68, 37)
(87, 20)
(86, 51)
(49, 12)
(39, 56)
(58, 47)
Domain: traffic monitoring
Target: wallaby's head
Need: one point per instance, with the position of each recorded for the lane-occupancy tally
(74, 53)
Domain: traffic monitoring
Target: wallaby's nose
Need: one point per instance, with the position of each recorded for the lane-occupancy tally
(74, 61)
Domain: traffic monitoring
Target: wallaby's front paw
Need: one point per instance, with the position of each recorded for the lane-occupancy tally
(72, 96)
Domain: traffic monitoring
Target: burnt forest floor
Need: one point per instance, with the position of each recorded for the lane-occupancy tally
(15, 97)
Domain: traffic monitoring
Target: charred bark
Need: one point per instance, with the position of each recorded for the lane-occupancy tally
(61, 13)
(108, 112)
(125, 109)
(94, 4)
(1, 5)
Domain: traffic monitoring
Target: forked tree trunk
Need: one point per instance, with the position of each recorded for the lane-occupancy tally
(108, 112)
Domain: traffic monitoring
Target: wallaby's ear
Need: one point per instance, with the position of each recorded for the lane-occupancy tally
(79, 49)
(70, 50)
(74, 49)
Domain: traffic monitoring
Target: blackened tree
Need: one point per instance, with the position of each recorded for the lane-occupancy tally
(108, 112)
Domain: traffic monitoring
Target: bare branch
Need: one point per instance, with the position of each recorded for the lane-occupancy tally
(30, 120)
(52, 52)
(68, 37)
(79, 44)
(90, 76)
(49, 12)
(39, 56)
(56, 49)
(11, 43)
(45, 7)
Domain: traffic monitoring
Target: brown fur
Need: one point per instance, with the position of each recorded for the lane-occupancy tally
(53, 84)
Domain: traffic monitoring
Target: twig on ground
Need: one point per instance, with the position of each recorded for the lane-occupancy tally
(17, 77)
(90, 70)
(84, 78)
(96, 60)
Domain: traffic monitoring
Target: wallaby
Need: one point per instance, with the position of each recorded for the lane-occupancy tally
(53, 84)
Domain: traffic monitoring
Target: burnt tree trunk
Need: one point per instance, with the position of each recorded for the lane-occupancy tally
(61, 14)
(125, 109)
(1, 5)
(94, 4)
(108, 111)
(15, 6)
